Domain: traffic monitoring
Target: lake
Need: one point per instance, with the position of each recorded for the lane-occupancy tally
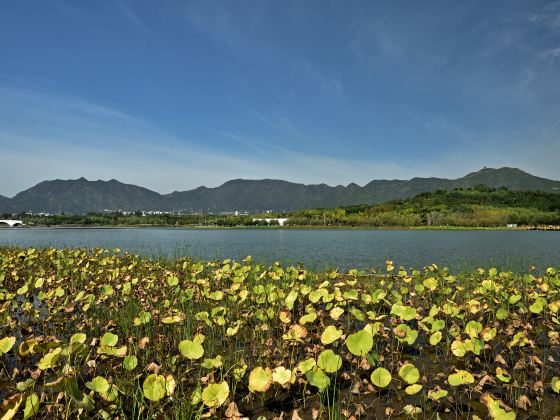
(318, 249)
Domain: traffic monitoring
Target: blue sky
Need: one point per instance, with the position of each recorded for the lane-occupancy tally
(175, 94)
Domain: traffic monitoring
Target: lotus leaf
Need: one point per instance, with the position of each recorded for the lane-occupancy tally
(130, 362)
(381, 377)
(404, 312)
(154, 387)
(214, 395)
(336, 312)
(413, 389)
(10, 406)
(473, 328)
(318, 378)
(329, 361)
(435, 338)
(502, 375)
(555, 384)
(191, 350)
(405, 334)
(6, 344)
(281, 375)
(214, 363)
(330, 335)
(260, 379)
(495, 410)
(306, 365)
(98, 384)
(49, 360)
(31, 406)
(409, 373)
(109, 339)
(461, 377)
(437, 394)
(360, 343)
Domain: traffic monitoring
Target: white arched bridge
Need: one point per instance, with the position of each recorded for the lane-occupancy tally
(12, 223)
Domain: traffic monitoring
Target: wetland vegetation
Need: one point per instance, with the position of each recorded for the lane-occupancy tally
(104, 334)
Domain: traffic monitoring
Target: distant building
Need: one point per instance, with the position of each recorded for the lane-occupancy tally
(512, 225)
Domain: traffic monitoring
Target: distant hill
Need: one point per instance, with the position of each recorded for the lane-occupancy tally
(83, 196)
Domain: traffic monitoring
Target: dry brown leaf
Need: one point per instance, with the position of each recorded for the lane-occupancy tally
(523, 402)
(143, 343)
(153, 368)
(295, 415)
(315, 414)
(499, 359)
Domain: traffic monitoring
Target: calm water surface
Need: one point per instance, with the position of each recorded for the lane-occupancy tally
(459, 250)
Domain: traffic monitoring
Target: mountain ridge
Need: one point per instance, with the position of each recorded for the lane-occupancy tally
(83, 196)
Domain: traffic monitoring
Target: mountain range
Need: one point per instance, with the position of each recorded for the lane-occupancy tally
(82, 196)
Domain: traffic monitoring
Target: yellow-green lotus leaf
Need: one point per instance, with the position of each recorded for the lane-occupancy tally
(170, 384)
(130, 362)
(330, 335)
(461, 377)
(413, 389)
(409, 373)
(109, 339)
(360, 343)
(79, 338)
(329, 361)
(318, 378)
(308, 318)
(473, 328)
(306, 365)
(260, 379)
(214, 363)
(98, 384)
(6, 344)
(495, 410)
(336, 312)
(191, 350)
(381, 377)
(430, 283)
(49, 359)
(555, 384)
(214, 395)
(281, 375)
(502, 375)
(412, 410)
(436, 394)
(404, 312)
(538, 306)
(154, 387)
(435, 338)
(31, 406)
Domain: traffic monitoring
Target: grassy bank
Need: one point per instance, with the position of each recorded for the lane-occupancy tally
(98, 334)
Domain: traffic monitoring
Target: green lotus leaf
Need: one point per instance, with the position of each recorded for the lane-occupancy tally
(435, 338)
(25, 385)
(404, 312)
(309, 318)
(460, 348)
(318, 379)
(80, 399)
(31, 406)
(413, 389)
(409, 373)
(214, 395)
(360, 343)
(130, 362)
(411, 410)
(513, 299)
(381, 377)
(329, 361)
(107, 290)
(109, 339)
(306, 365)
(172, 281)
(98, 384)
(260, 379)
(191, 350)
(154, 387)
(330, 335)
(6, 344)
(461, 377)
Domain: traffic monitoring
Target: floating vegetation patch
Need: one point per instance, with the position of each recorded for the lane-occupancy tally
(103, 334)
